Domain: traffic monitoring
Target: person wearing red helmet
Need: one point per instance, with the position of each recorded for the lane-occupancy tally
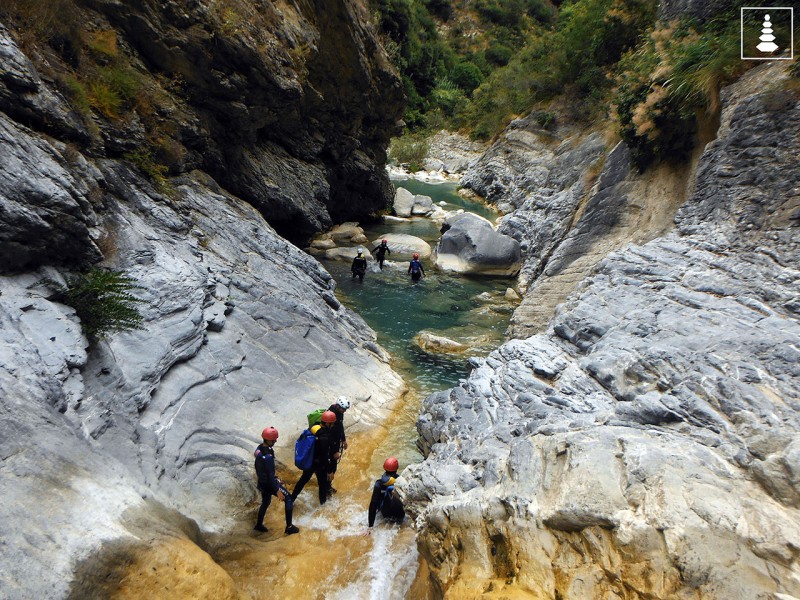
(269, 484)
(415, 267)
(324, 465)
(380, 252)
(383, 497)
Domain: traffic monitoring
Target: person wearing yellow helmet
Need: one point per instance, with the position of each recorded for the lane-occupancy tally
(269, 484)
(383, 497)
(324, 464)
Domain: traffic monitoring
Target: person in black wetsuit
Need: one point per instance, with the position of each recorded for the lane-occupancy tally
(380, 252)
(338, 437)
(359, 266)
(324, 464)
(415, 268)
(269, 484)
(383, 497)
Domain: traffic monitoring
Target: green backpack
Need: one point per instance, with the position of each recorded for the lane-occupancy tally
(315, 417)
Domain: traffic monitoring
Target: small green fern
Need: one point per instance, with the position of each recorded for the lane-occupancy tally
(102, 299)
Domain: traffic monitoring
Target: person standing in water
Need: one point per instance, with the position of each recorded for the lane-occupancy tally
(415, 268)
(269, 484)
(324, 464)
(380, 252)
(338, 437)
(359, 266)
(383, 497)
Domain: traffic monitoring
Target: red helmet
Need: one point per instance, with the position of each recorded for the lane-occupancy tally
(384, 241)
(390, 464)
(415, 255)
(328, 417)
(270, 433)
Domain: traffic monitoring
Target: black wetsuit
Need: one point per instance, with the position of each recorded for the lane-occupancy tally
(323, 464)
(359, 267)
(416, 269)
(338, 437)
(383, 499)
(380, 253)
(269, 484)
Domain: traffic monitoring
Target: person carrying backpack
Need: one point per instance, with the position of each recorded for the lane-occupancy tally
(383, 496)
(269, 484)
(380, 252)
(415, 267)
(324, 463)
(359, 266)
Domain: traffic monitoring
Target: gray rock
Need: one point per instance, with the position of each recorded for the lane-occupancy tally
(241, 331)
(423, 205)
(47, 215)
(654, 425)
(471, 245)
(403, 202)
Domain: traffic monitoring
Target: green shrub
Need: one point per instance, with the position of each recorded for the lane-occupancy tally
(102, 299)
(498, 54)
(145, 161)
(448, 97)
(546, 119)
(467, 76)
(409, 149)
(675, 74)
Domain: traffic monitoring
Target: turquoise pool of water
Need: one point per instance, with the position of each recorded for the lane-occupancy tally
(442, 303)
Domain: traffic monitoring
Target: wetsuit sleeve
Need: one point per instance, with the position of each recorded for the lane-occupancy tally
(373, 503)
(421, 268)
(353, 266)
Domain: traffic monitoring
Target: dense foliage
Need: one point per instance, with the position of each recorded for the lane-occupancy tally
(102, 299)
(576, 60)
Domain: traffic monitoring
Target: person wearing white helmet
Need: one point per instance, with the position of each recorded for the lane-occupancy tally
(359, 266)
(338, 437)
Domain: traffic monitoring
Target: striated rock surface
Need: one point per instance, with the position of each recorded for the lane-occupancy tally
(645, 444)
(129, 453)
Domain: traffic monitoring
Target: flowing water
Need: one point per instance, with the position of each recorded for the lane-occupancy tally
(332, 558)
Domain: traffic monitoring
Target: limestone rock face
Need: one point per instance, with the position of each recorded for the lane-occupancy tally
(150, 434)
(653, 427)
(241, 330)
(291, 107)
(471, 245)
(47, 213)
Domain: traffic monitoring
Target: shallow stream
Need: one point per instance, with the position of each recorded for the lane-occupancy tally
(332, 558)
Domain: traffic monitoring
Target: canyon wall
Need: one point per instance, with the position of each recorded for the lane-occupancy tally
(145, 439)
(641, 443)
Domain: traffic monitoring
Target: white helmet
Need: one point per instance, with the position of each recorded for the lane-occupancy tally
(360, 250)
(343, 402)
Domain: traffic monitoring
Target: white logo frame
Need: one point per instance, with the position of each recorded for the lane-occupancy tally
(770, 8)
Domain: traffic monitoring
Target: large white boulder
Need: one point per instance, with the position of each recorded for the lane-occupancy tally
(407, 204)
(403, 202)
(472, 245)
(402, 245)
